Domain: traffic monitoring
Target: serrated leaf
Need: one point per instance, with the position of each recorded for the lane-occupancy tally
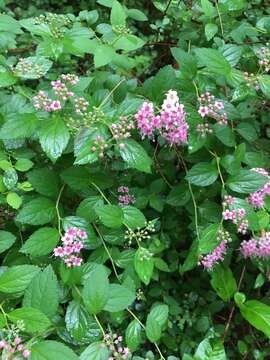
(39, 211)
(41, 242)
(135, 156)
(16, 278)
(33, 319)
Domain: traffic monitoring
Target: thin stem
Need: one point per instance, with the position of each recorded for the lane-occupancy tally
(107, 251)
(100, 326)
(196, 88)
(167, 7)
(110, 93)
(220, 19)
(4, 314)
(179, 156)
(218, 167)
(227, 326)
(101, 193)
(57, 209)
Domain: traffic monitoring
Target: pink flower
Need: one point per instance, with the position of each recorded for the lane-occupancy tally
(59, 251)
(209, 260)
(3, 344)
(203, 111)
(26, 353)
(227, 215)
(17, 340)
(55, 105)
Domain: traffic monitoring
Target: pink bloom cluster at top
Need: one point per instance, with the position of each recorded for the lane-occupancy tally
(256, 247)
(61, 92)
(256, 199)
(125, 198)
(116, 349)
(14, 350)
(72, 245)
(235, 215)
(213, 108)
(170, 123)
(208, 261)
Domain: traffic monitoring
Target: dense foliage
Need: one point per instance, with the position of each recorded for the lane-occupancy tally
(134, 183)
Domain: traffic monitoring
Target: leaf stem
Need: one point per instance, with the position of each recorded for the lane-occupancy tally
(99, 324)
(57, 209)
(220, 18)
(110, 93)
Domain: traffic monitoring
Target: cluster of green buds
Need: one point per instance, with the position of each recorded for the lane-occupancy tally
(121, 30)
(25, 66)
(140, 234)
(100, 146)
(56, 23)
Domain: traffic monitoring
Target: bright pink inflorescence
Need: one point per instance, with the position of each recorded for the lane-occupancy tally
(208, 261)
(212, 108)
(62, 93)
(170, 123)
(257, 198)
(14, 349)
(115, 347)
(259, 247)
(72, 245)
(235, 215)
(125, 198)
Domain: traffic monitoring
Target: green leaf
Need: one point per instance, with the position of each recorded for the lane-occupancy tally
(7, 239)
(96, 290)
(208, 239)
(187, 63)
(264, 81)
(41, 242)
(136, 15)
(210, 31)
(7, 78)
(210, 349)
(54, 137)
(110, 215)
(20, 126)
(246, 181)
(144, 265)
(247, 131)
(104, 54)
(16, 278)
(208, 8)
(257, 314)
(51, 350)
(80, 324)
(39, 211)
(202, 174)
(10, 178)
(178, 196)
(133, 335)
(9, 24)
(133, 217)
(225, 134)
(42, 292)
(120, 298)
(118, 15)
(214, 61)
(156, 322)
(135, 156)
(95, 351)
(86, 209)
(23, 165)
(44, 181)
(33, 319)
(223, 282)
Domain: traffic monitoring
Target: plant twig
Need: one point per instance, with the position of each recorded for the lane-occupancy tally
(57, 209)
(220, 18)
(227, 326)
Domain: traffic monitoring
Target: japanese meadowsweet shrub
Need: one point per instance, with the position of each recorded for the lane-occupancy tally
(134, 180)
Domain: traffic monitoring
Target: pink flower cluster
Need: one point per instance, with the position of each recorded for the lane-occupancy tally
(264, 55)
(14, 350)
(72, 245)
(170, 123)
(81, 106)
(126, 198)
(257, 198)
(252, 81)
(213, 108)
(61, 92)
(117, 350)
(122, 128)
(235, 215)
(208, 261)
(256, 247)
